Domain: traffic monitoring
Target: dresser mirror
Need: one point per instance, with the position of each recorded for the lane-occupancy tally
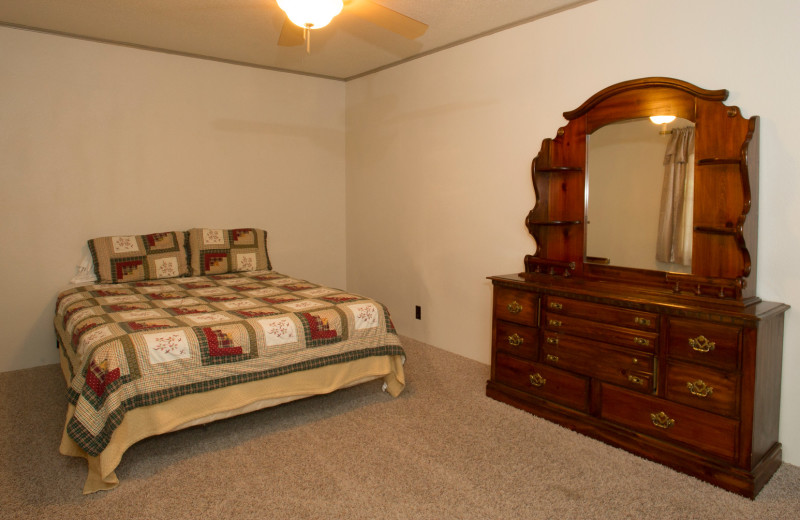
(626, 180)
(590, 221)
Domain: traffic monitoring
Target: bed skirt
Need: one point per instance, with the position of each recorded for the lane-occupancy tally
(194, 409)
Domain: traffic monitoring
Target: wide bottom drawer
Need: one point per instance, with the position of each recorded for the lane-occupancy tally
(664, 419)
(543, 381)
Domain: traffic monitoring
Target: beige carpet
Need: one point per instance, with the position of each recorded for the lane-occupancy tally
(441, 450)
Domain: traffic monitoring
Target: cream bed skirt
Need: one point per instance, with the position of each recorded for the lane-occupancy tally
(190, 410)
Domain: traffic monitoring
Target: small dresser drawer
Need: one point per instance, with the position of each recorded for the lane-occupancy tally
(543, 381)
(517, 306)
(640, 340)
(603, 313)
(703, 388)
(630, 369)
(674, 422)
(517, 339)
(702, 342)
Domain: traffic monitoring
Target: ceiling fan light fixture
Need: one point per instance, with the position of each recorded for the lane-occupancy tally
(311, 14)
(662, 120)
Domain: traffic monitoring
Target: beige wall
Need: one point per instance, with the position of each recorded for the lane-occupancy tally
(97, 139)
(439, 150)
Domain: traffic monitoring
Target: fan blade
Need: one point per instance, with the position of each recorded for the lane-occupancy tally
(387, 18)
(291, 35)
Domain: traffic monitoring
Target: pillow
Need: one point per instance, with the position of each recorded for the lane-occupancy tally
(131, 258)
(217, 251)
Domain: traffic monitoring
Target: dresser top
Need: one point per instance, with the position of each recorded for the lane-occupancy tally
(650, 299)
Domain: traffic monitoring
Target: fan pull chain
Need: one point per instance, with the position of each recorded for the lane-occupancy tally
(307, 37)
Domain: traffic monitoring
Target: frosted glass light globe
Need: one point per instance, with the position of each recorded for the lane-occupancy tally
(311, 14)
(662, 120)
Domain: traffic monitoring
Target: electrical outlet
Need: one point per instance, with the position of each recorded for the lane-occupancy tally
(418, 312)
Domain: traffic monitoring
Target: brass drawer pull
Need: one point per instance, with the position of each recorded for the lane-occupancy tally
(554, 323)
(551, 357)
(701, 344)
(662, 420)
(699, 388)
(642, 321)
(537, 380)
(636, 380)
(556, 305)
(515, 340)
(642, 342)
(514, 307)
(552, 341)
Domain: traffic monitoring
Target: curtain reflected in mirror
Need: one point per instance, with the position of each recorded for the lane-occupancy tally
(628, 166)
(674, 243)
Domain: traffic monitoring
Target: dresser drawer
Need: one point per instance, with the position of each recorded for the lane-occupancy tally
(517, 306)
(703, 388)
(670, 421)
(640, 340)
(620, 366)
(645, 321)
(517, 339)
(543, 381)
(702, 342)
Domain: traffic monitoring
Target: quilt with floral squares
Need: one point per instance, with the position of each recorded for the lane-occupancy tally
(142, 343)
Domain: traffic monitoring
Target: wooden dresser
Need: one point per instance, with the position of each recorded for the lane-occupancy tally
(694, 387)
(680, 368)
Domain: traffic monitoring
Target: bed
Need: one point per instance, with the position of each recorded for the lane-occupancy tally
(184, 328)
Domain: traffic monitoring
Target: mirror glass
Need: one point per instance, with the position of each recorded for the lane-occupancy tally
(629, 172)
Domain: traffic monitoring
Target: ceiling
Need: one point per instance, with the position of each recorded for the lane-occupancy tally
(247, 31)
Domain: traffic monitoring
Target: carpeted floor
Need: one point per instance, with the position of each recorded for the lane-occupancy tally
(441, 450)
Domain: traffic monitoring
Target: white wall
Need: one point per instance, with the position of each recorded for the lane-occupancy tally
(439, 150)
(97, 140)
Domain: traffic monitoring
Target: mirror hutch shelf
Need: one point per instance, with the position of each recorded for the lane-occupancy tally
(682, 368)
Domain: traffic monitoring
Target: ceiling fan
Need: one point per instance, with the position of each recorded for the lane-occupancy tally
(303, 16)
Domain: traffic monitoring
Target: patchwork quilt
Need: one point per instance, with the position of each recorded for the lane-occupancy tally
(142, 343)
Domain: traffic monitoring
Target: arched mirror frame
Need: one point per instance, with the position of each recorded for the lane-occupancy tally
(724, 234)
